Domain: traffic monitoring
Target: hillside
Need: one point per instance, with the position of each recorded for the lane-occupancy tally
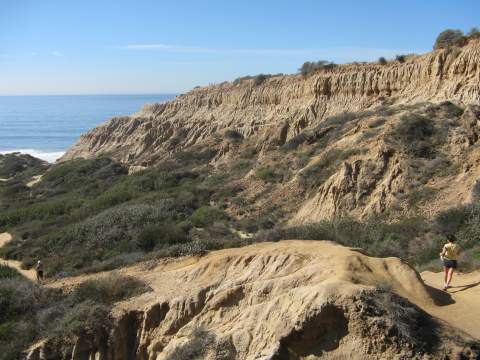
(345, 120)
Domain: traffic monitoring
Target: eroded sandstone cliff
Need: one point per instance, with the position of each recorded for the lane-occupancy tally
(287, 300)
(279, 108)
(334, 138)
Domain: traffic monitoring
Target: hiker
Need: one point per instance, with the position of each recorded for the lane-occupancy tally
(449, 256)
(39, 269)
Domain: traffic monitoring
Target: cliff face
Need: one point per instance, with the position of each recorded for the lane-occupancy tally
(304, 126)
(281, 107)
(287, 300)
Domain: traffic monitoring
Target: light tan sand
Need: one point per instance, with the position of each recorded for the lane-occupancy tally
(463, 309)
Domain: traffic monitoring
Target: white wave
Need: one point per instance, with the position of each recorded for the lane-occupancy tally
(51, 157)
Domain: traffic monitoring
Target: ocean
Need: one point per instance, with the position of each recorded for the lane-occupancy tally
(46, 126)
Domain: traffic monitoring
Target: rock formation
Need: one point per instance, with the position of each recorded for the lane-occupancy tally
(280, 107)
(349, 110)
(286, 300)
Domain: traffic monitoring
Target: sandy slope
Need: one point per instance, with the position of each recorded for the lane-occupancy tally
(463, 310)
(30, 274)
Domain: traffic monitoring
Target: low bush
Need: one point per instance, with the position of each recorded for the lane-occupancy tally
(310, 67)
(7, 272)
(376, 236)
(415, 132)
(257, 79)
(207, 215)
(266, 174)
(382, 60)
(400, 58)
(233, 135)
(84, 319)
(154, 235)
(108, 290)
(448, 38)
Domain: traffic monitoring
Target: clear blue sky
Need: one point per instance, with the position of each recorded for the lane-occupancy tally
(146, 46)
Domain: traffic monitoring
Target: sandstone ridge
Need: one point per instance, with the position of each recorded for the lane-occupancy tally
(286, 300)
(281, 107)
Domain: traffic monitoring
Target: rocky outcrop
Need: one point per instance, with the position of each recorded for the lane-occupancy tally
(287, 300)
(280, 107)
(359, 188)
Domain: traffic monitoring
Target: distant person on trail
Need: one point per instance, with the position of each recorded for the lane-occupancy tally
(449, 256)
(39, 269)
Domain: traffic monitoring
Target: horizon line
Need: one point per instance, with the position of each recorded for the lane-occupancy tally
(97, 94)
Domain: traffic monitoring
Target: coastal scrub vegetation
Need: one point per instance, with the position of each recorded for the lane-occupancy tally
(90, 215)
(310, 67)
(257, 80)
(29, 312)
(455, 37)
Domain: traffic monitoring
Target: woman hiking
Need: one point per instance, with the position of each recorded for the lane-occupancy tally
(449, 256)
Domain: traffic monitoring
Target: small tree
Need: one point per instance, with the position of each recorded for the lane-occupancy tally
(474, 32)
(382, 60)
(400, 58)
(447, 38)
(309, 67)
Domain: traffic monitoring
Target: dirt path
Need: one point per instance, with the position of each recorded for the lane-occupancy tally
(462, 310)
(5, 238)
(34, 180)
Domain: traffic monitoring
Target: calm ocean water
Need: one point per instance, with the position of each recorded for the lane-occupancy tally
(46, 126)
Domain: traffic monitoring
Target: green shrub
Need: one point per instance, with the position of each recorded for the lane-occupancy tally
(400, 58)
(420, 195)
(207, 215)
(20, 166)
(86, 318)
(233, 135)
(160, 234)
(310, 67)
(257, 79)
(382, 60)
(450, 221)
(415, 133)
(7, 272)
(108, 290)
(449, 38)
(266, 174)
(374, 235)
(474, 32)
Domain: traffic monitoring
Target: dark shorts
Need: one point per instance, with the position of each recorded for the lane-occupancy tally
(450, 263)
(40, 274)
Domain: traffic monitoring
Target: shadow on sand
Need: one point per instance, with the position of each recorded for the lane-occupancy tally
(464, 287)
(440, 298)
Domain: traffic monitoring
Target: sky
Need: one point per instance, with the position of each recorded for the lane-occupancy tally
(144, 46)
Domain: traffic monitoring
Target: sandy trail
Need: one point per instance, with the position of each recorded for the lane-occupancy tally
(34, 180)
(463, 311)
(458, 307)
(5, 238)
